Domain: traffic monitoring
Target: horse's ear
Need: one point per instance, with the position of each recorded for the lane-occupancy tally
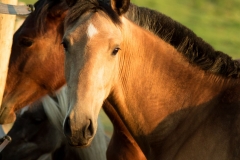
(70, 3)
(120, 6)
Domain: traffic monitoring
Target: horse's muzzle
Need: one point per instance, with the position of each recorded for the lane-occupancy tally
(81, 137)
(7, 115)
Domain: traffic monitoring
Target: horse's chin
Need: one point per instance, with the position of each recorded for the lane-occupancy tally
(7, 116)
(79, 144)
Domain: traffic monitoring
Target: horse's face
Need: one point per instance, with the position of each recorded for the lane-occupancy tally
(32, 135)
(92, 47)
(36, 63)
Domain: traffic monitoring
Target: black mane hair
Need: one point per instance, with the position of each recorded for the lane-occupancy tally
(44, 8)
(196, 50)
(83, 6)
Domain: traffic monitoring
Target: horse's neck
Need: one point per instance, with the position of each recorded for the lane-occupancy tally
(158, 88)
(154, 74)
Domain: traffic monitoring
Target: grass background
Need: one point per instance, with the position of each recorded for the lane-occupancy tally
(216, 21)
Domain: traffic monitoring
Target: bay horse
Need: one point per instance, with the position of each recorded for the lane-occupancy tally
(37, 134)
(178, 101)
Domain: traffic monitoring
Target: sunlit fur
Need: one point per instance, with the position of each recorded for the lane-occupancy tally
(46, 23)
(174, 107)
(44, 27)
(49, 14)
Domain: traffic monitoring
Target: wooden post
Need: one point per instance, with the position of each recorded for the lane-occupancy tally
(6, 33)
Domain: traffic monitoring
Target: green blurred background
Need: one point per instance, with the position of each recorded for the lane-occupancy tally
(216, 21)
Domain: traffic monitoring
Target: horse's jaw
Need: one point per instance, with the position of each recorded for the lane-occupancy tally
(7, 115)
(8, 108)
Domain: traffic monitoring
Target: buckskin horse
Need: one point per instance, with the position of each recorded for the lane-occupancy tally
(37, 61)
(178, 101)
(30, 67)
(37, 134)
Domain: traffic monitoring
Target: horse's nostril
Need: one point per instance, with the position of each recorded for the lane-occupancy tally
(67, 127)
(81, 135)
(89, 131)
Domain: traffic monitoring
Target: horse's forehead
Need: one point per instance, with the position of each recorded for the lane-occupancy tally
(104, 23)
(91, 24)
(77, 29)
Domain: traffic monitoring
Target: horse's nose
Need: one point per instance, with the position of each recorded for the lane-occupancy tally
(82, 135)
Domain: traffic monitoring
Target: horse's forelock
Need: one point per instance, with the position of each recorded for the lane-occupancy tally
(43, 8)
(56, 111)
(23, 110)
(82, 7)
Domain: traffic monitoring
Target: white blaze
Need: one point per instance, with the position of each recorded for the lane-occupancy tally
(91, 30)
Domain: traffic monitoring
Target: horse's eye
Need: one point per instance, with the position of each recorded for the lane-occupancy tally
(25, 42)
(115, 51)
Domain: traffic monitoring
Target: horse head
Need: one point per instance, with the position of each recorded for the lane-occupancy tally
(86, 50)
(36, 57)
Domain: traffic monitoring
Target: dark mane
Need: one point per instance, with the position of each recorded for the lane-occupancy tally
(197, 51)
(44, 8)
(83, 6)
